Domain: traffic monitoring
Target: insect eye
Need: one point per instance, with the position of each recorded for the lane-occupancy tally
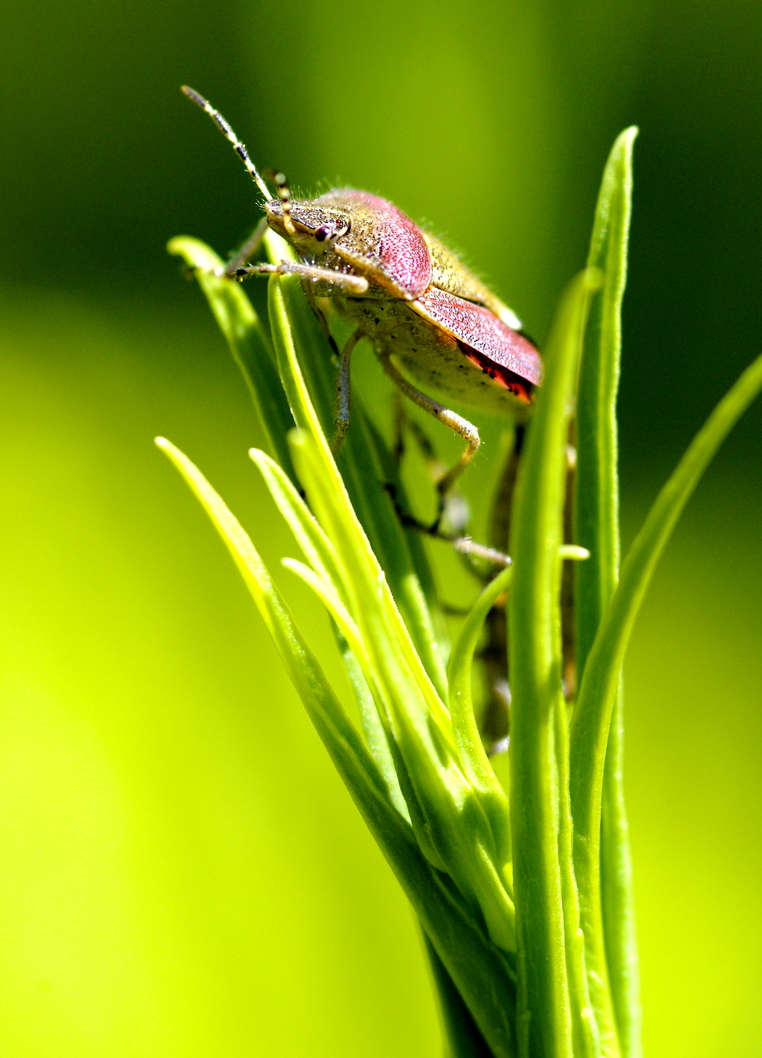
(326, 232)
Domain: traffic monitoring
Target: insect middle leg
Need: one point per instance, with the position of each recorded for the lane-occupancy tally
(455, 422)
(404, 425)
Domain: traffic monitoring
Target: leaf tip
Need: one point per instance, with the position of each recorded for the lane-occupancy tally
(196, 253)
(625, 140)
(163, 444)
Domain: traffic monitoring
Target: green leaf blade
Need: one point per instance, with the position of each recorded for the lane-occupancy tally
(466, 731)
(600, 682)
(480, 970)
(610, 944)
(248, 342)
(596, 494)
(545, 1017)
(364, 475)
(601, 677)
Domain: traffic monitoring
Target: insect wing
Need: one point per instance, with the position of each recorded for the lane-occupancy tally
(499, 351)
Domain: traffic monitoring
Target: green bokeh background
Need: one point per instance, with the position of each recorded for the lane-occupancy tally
(181, 873)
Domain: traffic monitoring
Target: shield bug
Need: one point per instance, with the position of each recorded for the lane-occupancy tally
(432, 323)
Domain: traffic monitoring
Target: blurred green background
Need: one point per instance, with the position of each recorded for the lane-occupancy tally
(181, 872)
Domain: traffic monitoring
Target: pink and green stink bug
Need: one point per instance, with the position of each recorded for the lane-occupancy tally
(432, 323)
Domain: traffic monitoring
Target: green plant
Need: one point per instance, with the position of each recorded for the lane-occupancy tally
(524, 895)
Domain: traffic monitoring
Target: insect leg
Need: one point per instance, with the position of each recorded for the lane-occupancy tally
(457, 423)
(453, 508)
(403, 425)
(344, 390)
(320, 316)
(350, 284)
(400, 421)
(241, 257)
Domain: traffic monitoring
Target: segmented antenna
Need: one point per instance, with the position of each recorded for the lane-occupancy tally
(228, 133)
(284, 194)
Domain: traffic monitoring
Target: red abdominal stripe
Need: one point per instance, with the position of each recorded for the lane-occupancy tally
(501, 376)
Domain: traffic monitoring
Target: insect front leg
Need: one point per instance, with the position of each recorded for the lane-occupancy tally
(455, 422)
(347, 284)
(250, 247)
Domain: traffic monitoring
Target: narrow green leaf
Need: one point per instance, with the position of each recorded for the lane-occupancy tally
(617, 893)
(460, 1029)
(611, 951)
(585, 1034)
(365, 461)
(386, 638)
(375, 716)
(545, 1020)
(332, 574)
(464, 724)
(315, 545)
(461, 661)
(301, 665)
(328, 595)
(600, 682)
(316, 361)
(481, 971)
(449, 812)
(446, 811)
(329, 498)
(247, 340)
(454, 917)
(366, 467)
(596, 500)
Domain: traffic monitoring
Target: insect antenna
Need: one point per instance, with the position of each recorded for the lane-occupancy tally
(284, 194)
(228, 133)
